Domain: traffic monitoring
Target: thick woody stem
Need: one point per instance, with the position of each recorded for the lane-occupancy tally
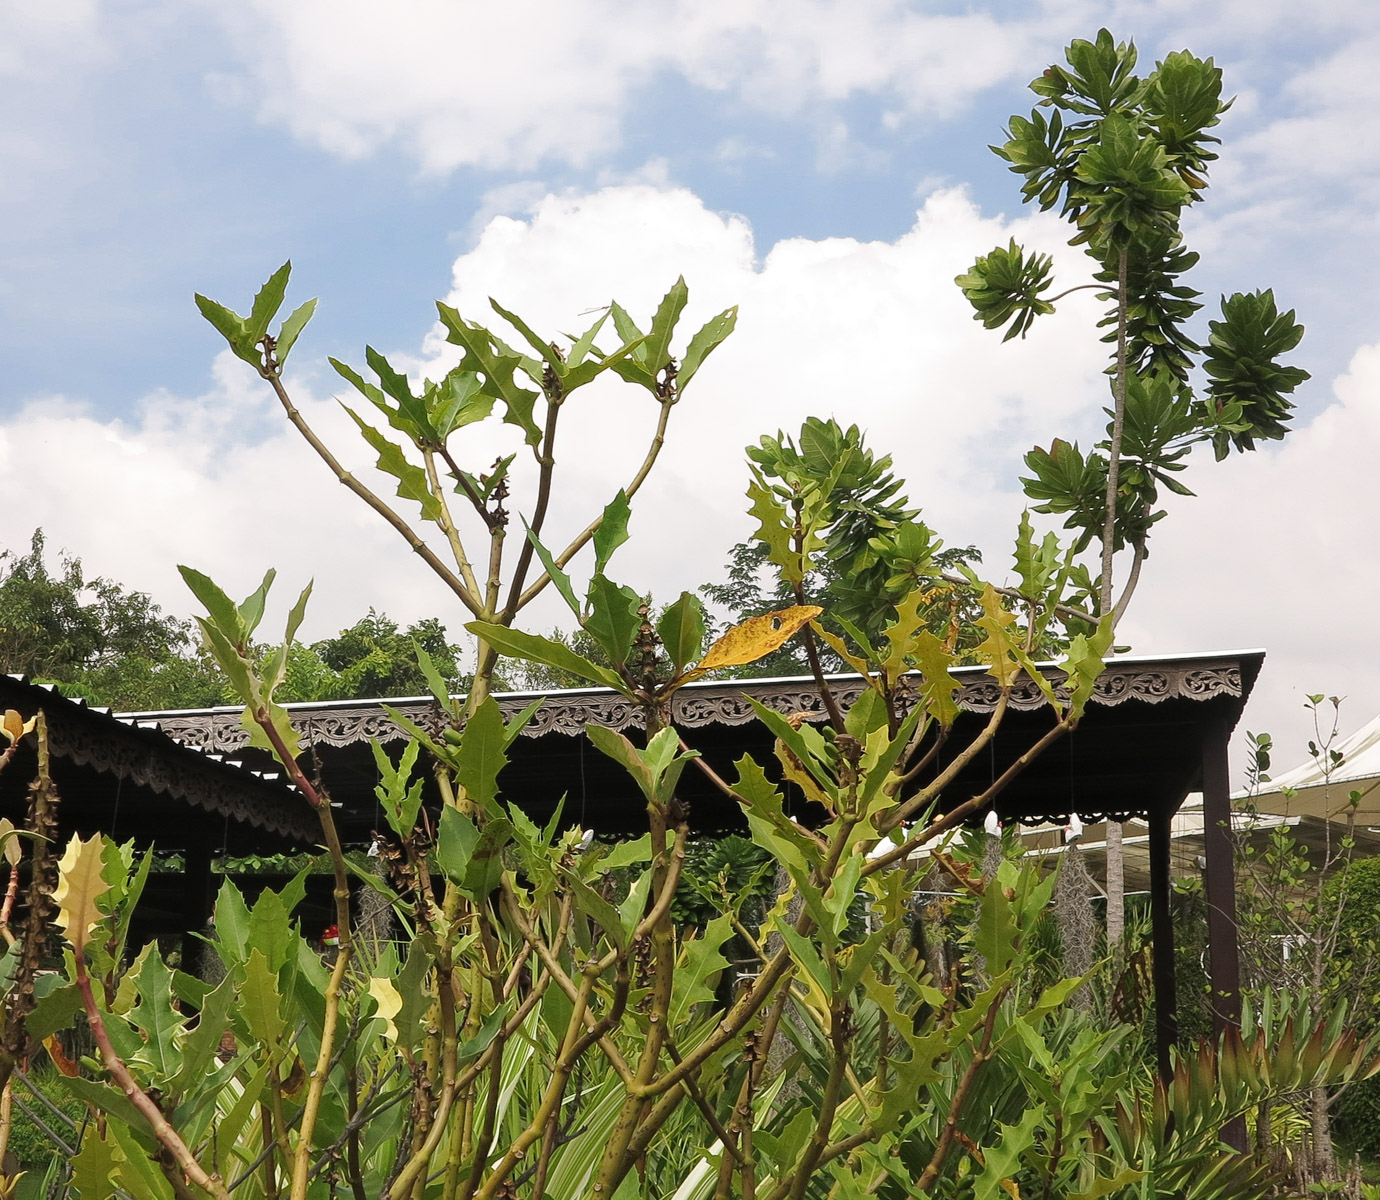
(1104, 604)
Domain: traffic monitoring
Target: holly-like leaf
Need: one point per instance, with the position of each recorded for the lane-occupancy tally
(658, 344)
(292, 328)
(1084, 664)
(710, 336)
(79, 887)
(996, 650)
(497, 365)
(233, 328)
(401, 799)
(267, 302)
(153, 1016)
(387, 1005)
(412, 480)
(260, 1004)
(481, 755)
(614, 617)
(612, 531)
(776, 530)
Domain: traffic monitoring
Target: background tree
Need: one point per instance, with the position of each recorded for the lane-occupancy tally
(96, 638)
(872, 549)
(1306, 917)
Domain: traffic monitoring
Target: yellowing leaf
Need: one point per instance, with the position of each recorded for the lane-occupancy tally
(79, 886)
(13, 726)
(388, 1003)
(996, 651)
(756, 637)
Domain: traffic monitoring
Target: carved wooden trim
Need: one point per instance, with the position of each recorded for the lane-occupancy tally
(144, 753)
(701, 705)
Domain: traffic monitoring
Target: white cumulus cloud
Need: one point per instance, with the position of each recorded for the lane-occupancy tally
(1273, 552)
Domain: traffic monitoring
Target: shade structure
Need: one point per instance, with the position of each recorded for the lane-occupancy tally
(1155, 730)
(134, 781)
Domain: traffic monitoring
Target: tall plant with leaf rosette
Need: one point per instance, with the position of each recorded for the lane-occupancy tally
(1123, 157)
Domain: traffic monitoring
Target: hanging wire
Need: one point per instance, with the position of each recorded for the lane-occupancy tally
(115, 815)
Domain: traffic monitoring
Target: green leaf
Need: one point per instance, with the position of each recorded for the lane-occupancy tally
(1003, 1159)
(472, 856)
(299, 611)
(412, 480)
(614, 617)
(658, 345)
(803, 951)
(222, 610)
(497, 366)
(434, 680)
(95, 1166)
(203, 1043)
(260, 1004)
(417, 996)
(155, 1019)
(292, 328)
(1084, 664)
(481, 756)
(558, 576)
(54, 1011)
(530, 647)
(232, 327)
(622, 751)
(701, 963)
(267, 302)
(771, 828)
(401, 802)
(251, 609)
(597, 909)
(710, 336)
(612, 531)
(681, 629)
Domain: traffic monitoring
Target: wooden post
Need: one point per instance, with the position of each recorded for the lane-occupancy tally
(197, 898)
(1162, 940)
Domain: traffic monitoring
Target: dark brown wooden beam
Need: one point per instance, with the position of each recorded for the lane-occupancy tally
(1162, 942)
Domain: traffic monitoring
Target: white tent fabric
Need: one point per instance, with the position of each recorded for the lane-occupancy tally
(1359, 771)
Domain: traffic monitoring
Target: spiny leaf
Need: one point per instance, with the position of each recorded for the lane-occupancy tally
(710, 336)
(612, 531)
(267, 302)
(292, 328)
(412, 480)
(79, 887)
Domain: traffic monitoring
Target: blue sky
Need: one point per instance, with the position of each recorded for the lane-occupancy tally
(549, 152)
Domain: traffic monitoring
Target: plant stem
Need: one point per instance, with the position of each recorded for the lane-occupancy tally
(1104, 604)
(405, 531)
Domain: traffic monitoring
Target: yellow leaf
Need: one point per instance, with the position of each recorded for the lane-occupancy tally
(997, 651)
(388, 1003)
(756, 637)
(1010, 1188)
(13, 726)
(79, 886)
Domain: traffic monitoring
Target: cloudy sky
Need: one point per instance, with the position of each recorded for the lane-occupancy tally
(821, 164)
